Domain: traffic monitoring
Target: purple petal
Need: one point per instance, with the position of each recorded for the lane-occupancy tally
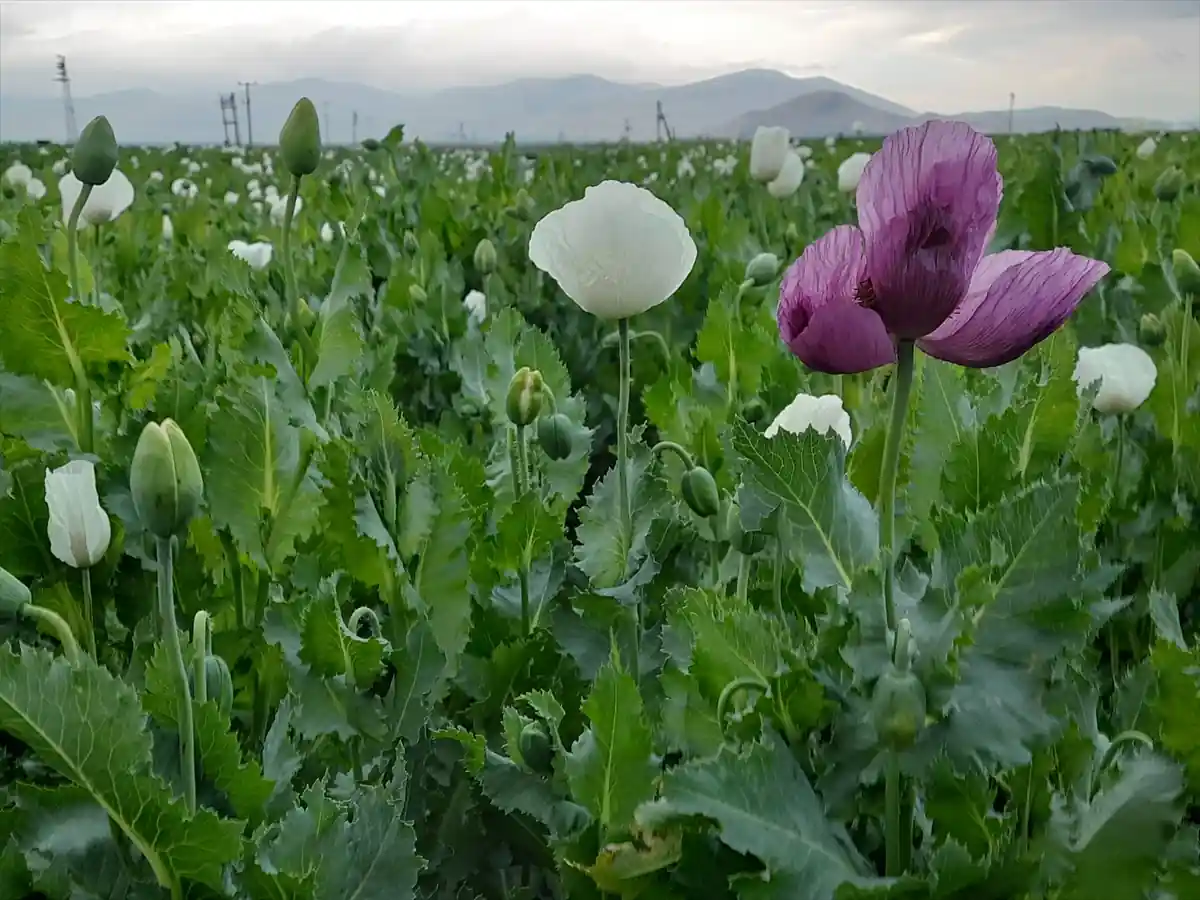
(1017, 299)
(820, 320)
(926, 204)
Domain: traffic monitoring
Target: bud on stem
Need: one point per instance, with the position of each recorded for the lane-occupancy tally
(524, 401)
(165, 480)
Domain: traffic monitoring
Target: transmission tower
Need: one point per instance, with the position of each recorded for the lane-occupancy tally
(661, 126)
(229, 117)
(68, 104)
(628, 130)
(249, 121)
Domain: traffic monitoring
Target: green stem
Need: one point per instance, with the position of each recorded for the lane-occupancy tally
(902, 386)
(170, 633)
(56, 624)
(743, 577)
(777, 574)
(285, 248)
(519, 453)
(88, 619)
(894, 861)
(235, 573)
(684, 457)
(83, 390)
(73, 244)
(746, 682)
(1125, 737)
(201, 647)
(624, 509)
(714, 562)
(1120, 458)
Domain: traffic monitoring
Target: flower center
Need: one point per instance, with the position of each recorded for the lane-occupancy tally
(864, 294)
(939, 237)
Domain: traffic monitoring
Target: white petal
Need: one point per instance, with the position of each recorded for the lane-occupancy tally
(1125, 373)
(789, 178)
(822, 414)
(78, 528)
(768, 152)
(617, 252)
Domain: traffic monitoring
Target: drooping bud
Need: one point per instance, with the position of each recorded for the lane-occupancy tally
(219, 683)
(536, 749)
(95, 153)
(700, 492)
(14, 595)
(485, 257)
(762, 269)
(165, 479)
(1187, 273)
(745, 542)
(524, 401)
(300, 139)
(554, 435)
(1151, 331)
(1169, 183)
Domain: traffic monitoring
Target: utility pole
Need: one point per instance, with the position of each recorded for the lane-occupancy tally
(1012, 99)
(354, 127)
(328, 131)
(229, 117)
(660, 124)
(249, 121)
(68, 105)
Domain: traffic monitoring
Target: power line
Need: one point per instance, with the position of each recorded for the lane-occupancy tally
(249, 121)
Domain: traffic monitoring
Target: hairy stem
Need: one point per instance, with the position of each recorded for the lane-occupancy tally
(170, 634)
(56, 625)
(901, 387)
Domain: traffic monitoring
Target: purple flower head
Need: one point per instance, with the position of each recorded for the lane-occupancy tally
(914, 268)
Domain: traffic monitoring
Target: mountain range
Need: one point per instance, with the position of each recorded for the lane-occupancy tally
(580, 109)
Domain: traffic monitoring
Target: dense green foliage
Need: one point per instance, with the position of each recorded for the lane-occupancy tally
(447, 685)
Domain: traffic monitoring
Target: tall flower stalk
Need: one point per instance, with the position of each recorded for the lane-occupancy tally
(901, 388)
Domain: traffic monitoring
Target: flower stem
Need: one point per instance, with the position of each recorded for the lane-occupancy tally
(201, 639)
(88, 620)
(894, 863)
(55, 623)
(625, 510)
(235, 573)
(780, 558)
(521, 480)
(902, 386)
(684, 457)
(170, 633)
(285, 247)
(743, 577)
(83, 390)
(1120, 454)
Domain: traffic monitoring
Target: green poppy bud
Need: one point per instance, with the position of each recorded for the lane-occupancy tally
(218, 683)
(416, 293)
(1187, 273)
(14, 595)
(1151, 331)
(485, 257)
(554, 435)
(898, 708)
(524, 401)
(300, 139)
(700, 492)
(95, 153)
(762, 269)
(745, 542)
(753, 410)
(1168, 184)
(791, 234)
(370, 145)
(536, 748)
(165, 479)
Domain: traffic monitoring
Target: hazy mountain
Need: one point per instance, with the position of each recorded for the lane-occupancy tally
(579, 108)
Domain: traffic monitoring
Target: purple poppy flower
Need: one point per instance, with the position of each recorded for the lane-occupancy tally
(914, 268)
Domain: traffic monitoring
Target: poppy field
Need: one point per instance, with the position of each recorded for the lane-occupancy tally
(687, 521)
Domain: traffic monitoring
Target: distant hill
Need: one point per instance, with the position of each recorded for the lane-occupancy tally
(579, 108)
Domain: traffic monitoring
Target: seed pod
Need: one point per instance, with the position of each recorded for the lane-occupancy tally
(300, 139)
(700, 492)
(1151, 331)
(485, 257)
(898, 708)
(745, 542)
(95, 153)
(762, 269)
(1168, 184)
(524, 401)
(165, 479)
(536, 748)
(554, 435)
(14, 595)
(1187, 273)
(219, 683)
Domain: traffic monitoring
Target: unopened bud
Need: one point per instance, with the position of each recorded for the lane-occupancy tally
(1168, 184)
(524, 400)
(554, 436)
(300, 139)
(762, 269)
(218, 683)
(95, 153)
(1187, 273)
(485, 257)
(165, 480)
(1151, 331)
(700, 492)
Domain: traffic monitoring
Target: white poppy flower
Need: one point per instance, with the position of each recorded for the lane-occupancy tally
(768, 152)
(789, 178)
(326, 232)
(79, 529)
(103, 204)
(830, 142)
(380, 190)
(18, 174)
(156, 175)
(617, 252)
(685, 169)
(168, 230)
(231, 198)
(1126, 374)
(1146, 148)
(804, 151)
(257, 255)
(851, 170)
(35, 189)
(60, 166)
(278, 208)
(476, 304)
(181, 187)
(822, 414)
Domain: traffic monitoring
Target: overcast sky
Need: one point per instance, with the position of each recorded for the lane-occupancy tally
(1126, 57)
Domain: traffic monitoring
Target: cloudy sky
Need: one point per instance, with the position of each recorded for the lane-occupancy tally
(1126, 57)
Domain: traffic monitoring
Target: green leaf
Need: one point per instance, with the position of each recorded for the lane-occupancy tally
(764, 806)
(739, 353)
(730, 640)
(44, 335)
(1176, 704)
(89, 727)
(220, 760)
(329, 648)
(1178, 362)
(339, 338)
(937, 426)
(419, 668)
(834, 531)
(609, 766)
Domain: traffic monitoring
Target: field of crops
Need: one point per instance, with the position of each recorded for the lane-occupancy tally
(359, 541)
